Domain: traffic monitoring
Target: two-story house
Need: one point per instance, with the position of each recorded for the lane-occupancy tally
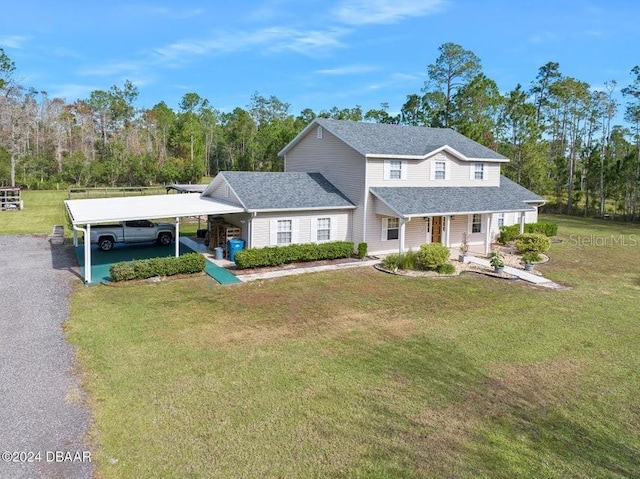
(394, 187)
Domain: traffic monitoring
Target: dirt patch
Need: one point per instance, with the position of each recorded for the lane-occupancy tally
(505, 392)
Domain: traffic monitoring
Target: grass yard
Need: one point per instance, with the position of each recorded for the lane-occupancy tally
(42, 210)
(367, 375)
(45, 208)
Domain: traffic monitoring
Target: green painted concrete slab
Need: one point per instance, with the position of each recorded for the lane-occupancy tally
(101, 261)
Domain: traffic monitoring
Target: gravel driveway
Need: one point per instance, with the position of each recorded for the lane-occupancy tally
(43, 423)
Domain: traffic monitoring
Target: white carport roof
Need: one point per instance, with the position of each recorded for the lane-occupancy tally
(128, 208)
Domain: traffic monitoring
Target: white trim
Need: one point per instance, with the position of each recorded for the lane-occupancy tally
(273, 232)
(470, 224)
(445, 148)
(295, 230)
(317, 208)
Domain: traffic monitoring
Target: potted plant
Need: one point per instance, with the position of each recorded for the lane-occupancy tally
(464, 247)
(496, 261)
(528, 259)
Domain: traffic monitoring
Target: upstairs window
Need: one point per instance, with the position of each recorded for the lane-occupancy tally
(395, 170)
(478, 171)
(440, 168)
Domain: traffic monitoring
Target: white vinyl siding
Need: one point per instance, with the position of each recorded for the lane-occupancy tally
(395, 170)
(420, 172)
(304, 225)
(341, 165)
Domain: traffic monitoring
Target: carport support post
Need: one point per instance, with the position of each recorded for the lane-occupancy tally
(87, 255)
(522, 222)
(177, 237)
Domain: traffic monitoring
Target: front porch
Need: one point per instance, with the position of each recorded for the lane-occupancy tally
(477, 231)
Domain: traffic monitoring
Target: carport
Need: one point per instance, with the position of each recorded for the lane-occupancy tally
(86, 212)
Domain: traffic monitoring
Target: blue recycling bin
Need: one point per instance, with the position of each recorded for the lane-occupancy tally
(235, 245)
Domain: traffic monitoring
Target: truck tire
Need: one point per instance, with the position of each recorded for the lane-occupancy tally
(164, 238)
(105, 243)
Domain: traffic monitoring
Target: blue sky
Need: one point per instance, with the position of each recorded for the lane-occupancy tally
(315, 54)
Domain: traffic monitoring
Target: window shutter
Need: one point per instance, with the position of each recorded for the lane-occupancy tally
(403, 171)
(385, 224)
(333, 235)
(273, 232)
(313, 230)
(447, 171)
(387, 167)
(295, 230)
(432, 173)
(472, 171)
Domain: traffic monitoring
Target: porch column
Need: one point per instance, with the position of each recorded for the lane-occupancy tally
(487, 240)
(447, 228)
(75, 238)
(87, 255)
(402, 222)
(522, 222)
(177, 237)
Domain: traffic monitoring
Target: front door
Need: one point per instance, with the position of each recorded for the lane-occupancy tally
(436, 229)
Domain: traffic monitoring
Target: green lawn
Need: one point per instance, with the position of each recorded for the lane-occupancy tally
(44, 209)
(363, 374)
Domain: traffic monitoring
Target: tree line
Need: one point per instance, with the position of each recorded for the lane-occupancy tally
(558, 132)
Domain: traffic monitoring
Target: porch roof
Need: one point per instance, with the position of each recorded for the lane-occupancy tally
(427, 201)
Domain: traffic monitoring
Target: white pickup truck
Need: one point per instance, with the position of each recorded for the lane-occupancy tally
(139, 231)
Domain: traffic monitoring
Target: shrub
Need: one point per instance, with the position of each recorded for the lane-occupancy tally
(148, 268)
(496, 260)
(547, 229)
(432, 255)
(530, 257)
(279, 255)
(532, 242)
(391, 262)
(446, 268)
(508, 233)
(408, 260)
(362, 250)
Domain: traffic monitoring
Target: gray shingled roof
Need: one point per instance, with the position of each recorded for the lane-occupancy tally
(418, 201)
(288, 190)
(383, 139)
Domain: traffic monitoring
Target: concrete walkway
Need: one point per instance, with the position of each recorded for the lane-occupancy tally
(523, 275)
(313, 269)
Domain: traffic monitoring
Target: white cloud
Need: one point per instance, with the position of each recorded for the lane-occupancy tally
(72, 91)
(270, 39)
(13, 41)
(543, 37)
(177, 14)
(362, 12)
(348, 70)
(110, 69)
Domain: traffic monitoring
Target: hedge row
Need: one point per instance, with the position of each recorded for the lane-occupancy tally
(279, 255)
(148, 268)
(509, 233)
